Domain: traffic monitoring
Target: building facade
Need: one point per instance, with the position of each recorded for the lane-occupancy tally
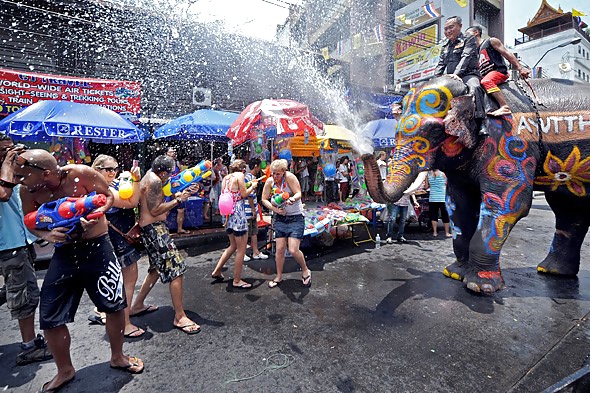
(556, 44)
(384, 41)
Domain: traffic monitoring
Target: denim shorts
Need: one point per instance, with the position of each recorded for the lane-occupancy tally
(230, 231)
(289, 226)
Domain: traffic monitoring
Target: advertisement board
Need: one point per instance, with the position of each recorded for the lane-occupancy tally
(415, 42)
(19, 89)
(418, 66)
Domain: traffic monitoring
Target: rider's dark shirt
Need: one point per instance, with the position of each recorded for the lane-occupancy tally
(459, 57)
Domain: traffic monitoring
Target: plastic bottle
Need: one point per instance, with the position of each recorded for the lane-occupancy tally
(125, 187)
(377, 241)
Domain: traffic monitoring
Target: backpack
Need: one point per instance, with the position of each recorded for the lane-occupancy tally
(226, 202)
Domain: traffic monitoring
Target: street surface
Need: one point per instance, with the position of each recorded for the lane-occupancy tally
(382, 320)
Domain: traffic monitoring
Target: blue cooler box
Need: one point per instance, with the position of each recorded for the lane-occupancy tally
(193, 214)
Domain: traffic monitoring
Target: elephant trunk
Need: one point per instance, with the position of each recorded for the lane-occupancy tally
(388, 191)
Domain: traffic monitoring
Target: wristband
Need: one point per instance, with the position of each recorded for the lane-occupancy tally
(7, 184)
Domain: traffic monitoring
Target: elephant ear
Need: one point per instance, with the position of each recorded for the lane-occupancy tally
(460, 120)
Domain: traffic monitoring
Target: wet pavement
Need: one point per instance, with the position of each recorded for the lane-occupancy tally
(373, 321)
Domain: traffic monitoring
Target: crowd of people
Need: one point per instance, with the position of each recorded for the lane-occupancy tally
(100, 255)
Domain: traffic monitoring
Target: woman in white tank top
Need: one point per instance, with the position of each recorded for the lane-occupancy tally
(288, 222)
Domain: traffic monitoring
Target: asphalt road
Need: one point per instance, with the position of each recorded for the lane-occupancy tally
(382, 320)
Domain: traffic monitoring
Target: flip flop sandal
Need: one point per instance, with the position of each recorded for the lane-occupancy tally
(133, 362)
(308, 279)
(149, 309)
(55, 389)
(245, 285)
(133, 333)
(96, 320)
(273, 283)
(189, 332)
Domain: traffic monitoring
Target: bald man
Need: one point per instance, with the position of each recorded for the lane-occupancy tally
(82, 260)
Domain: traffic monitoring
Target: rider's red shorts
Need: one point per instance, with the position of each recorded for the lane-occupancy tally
(491, 81)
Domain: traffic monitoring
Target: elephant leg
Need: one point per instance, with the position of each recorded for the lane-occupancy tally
(571, 226)
(498, 215)
(463, 207)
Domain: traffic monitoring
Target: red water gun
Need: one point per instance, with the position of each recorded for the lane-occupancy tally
(65, 212)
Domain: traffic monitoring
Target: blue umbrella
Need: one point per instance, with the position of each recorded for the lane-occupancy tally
(204, 124)
(46, 119)
(381, 131)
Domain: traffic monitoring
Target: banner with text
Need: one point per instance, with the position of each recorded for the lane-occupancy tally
(19, 89)
(419, 66)
(415, 42)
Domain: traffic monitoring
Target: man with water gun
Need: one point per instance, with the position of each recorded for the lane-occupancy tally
(20, 292)
(166, 262)
(87, 262)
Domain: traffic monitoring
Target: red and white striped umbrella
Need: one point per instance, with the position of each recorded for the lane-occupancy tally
(288, 116)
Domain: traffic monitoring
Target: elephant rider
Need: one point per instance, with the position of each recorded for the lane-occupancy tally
(459, 59)
(493, 68)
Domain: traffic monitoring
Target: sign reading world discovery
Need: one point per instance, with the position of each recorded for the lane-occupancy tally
(19, 89)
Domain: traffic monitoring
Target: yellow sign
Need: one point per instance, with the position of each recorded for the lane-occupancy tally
(418, 66)
(415, 42)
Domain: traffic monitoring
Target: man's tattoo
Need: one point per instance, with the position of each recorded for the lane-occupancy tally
(154, 194)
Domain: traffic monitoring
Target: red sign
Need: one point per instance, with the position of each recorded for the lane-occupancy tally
(19, 89)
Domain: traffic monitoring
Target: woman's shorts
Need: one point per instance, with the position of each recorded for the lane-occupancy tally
(230, 231)
(289, 226)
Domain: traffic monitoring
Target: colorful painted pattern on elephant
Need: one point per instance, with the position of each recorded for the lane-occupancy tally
(509, 165)
(451, 146)
(556, 126)
(412, 150)
(573, 172)
(451, 207)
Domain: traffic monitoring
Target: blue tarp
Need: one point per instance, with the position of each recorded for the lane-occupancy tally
(204, 124)
(381, 131)
(44, 120)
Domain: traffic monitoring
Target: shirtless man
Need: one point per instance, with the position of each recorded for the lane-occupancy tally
(165, 260)
(82, 260)
(493, 68)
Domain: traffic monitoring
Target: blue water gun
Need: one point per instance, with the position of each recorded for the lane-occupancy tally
(65, 212)
(186, 178)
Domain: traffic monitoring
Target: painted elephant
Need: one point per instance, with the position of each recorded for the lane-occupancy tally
(492, 175)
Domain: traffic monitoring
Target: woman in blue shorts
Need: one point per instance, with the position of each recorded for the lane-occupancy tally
(288, 220)
(236, 224)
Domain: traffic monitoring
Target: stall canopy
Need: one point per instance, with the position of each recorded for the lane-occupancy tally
(45, 120)
(204, 124)
(333, 137)
(287, 117)
(381, 132)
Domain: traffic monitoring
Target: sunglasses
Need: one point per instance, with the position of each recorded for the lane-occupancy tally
(110, 169)
(20, 160)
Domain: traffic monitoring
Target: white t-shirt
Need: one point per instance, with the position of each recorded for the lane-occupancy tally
(382, 169)
(343, 169)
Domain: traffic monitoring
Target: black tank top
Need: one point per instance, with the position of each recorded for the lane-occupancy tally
(490, 59)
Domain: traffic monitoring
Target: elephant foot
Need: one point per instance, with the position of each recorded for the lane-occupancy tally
(557, 267)
(456, 270)
(486, 282)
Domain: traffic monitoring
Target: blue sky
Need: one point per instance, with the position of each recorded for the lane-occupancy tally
(518, 12)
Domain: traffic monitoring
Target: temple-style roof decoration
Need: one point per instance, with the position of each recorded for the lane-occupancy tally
(544, 14)
(546, 21)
